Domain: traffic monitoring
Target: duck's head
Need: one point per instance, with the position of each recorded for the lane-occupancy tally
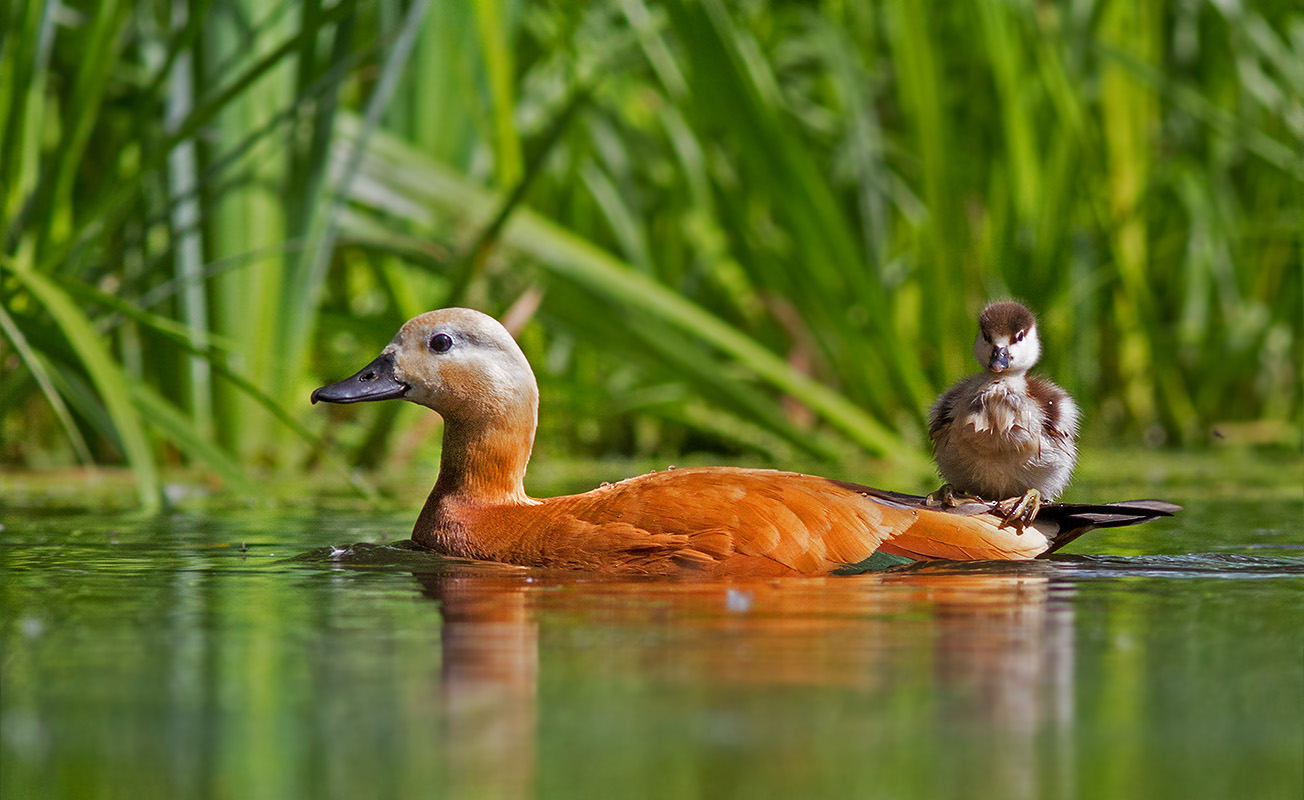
(1007, 338)
(458, 362)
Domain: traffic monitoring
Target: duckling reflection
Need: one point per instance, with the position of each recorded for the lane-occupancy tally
(997, 650)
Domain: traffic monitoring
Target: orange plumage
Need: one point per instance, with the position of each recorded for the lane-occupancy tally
(720, 520)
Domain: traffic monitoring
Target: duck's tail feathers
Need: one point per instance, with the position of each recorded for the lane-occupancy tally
(1075, 519)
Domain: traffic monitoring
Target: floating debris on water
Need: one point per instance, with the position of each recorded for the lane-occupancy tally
(738, 601)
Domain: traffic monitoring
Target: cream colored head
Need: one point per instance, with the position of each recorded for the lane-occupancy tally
(465, 366)
(455, 361)
(462, 364)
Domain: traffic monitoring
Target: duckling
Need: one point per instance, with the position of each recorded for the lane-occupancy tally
(719, 520)
(1001, 434)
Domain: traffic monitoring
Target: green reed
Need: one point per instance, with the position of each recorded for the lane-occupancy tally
(762, 228)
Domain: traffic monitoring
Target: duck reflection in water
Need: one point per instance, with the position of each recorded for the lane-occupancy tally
(991, 653)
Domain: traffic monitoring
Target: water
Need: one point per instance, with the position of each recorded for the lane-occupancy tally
(156, 658)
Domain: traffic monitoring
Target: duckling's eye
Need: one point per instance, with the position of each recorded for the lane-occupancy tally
(1019, 338)
(441, 342)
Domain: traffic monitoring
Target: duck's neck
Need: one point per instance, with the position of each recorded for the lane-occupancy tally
(484, 461)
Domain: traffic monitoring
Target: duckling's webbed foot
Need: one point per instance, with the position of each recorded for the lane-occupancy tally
(948, 497)
(1019, 512)
(943, 497)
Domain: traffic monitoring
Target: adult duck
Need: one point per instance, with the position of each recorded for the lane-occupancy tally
(466, 367)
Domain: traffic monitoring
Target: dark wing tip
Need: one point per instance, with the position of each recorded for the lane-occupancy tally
(1143, 508)
(1076, 519)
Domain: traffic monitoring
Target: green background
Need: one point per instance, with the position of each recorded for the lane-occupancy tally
(759, 231)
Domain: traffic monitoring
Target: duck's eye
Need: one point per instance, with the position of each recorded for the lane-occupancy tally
(441, 342)
(1019, 338)
(987, 338)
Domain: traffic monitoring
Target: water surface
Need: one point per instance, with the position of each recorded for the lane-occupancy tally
(156, 657)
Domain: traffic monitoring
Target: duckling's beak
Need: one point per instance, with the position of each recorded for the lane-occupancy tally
(1000, 360)
(375, 381)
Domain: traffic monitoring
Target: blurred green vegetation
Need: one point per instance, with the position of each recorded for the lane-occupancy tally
(759, 229)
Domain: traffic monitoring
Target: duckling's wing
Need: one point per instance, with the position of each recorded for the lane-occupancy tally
(1058, 408)
(945, 408)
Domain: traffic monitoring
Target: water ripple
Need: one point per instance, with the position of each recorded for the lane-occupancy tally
(1201, 565)
(402, 556)
(405, 556)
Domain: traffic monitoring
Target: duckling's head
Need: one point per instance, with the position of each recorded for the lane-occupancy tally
(458, 362)
(1007, 338)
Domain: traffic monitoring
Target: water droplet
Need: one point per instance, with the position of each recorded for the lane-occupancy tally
(738, 601)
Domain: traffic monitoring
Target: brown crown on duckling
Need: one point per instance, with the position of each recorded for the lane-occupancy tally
(465, 366)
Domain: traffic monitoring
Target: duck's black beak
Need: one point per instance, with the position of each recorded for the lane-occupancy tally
(1000, 360)
(375, 381)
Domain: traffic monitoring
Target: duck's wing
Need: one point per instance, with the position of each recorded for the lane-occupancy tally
(763, 522)
(741, 521)
(983, 537)
(1057, 524)
(940, 535)
(721, 519)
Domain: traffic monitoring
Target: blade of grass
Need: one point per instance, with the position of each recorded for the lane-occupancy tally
(42, 378)
(921, 94)
(183, 432)
(104, 212)
(495, 29)
(296, 327)
(1129, 116)
(733, 89)
(472, 262)
(89, 89)
(216, 352)
(24, 70)
(183, 182)
(105, 373)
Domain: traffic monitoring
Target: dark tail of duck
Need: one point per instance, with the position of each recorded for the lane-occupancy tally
(1075, 519)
